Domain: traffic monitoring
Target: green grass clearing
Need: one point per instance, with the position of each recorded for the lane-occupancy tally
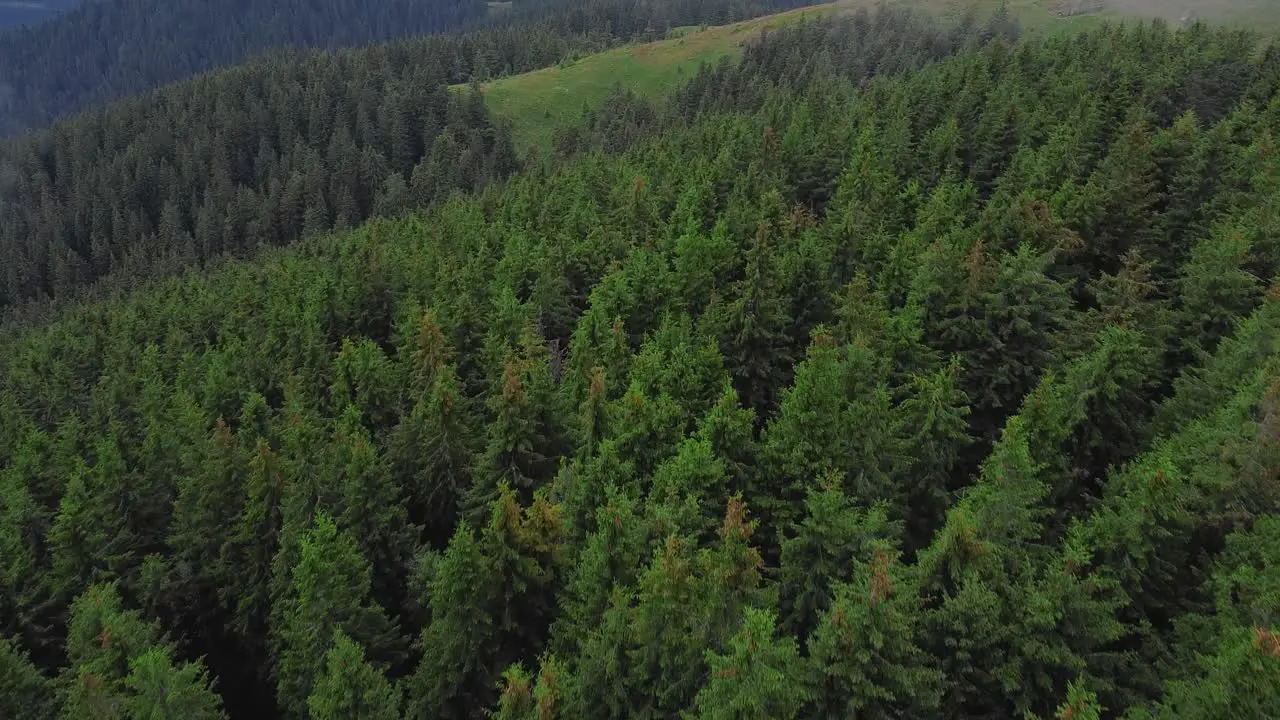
(539, 102)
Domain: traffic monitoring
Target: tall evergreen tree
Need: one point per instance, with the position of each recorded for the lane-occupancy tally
(352, 688)
(760, 675)
(867, 648)
(329, 592)
(24, 692)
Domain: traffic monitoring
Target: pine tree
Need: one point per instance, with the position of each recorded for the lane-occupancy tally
(707, 592)
(998, 602)
(368, 504)
(431, 452)
(585, 485)
(932, 422)
(460, 632)
(1080, 705)
(730, 429)
(525, 435)
(523, 548)
(704, 265)
(31, 602)
(676, 362)
(516, 701)
(250, 551)
(593, 414)
(122, 667)
(694, 477)
(752, 328)
(363, 377)
(91, 541)
(204, 517)
(611, 556)
(835, 388)
(431, 448)
(1236, 661)
(1127, 189)
(664, 658)
(1214, 289)
(492, 602)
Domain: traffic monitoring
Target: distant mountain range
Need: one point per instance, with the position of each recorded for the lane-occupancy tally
(14, 13)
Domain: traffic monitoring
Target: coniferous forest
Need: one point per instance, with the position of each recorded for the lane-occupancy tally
(893, 371)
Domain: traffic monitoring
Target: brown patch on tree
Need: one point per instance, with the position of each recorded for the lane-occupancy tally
(735, 520)
(512, 385)
(881, 583)
(1267, 642)
(976, 265)
(517, 692)
(548, 693)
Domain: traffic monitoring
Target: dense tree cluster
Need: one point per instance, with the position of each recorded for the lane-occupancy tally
(951, 394)
(108, 49)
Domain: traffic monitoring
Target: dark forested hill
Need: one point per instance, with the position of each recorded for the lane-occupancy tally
(951, 394)
(254, 156)
(110, 49)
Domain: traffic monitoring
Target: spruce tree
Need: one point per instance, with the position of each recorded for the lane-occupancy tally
(24, 692)
(121, 666)
(758, 676)
(867, 650)
(352, 688)
(159, 689)
(819, 553)
(329, 592)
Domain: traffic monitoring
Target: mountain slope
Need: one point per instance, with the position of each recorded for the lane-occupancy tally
(253, 156)
(259, 154)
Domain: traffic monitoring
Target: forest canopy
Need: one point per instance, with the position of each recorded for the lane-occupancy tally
(949, 391)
